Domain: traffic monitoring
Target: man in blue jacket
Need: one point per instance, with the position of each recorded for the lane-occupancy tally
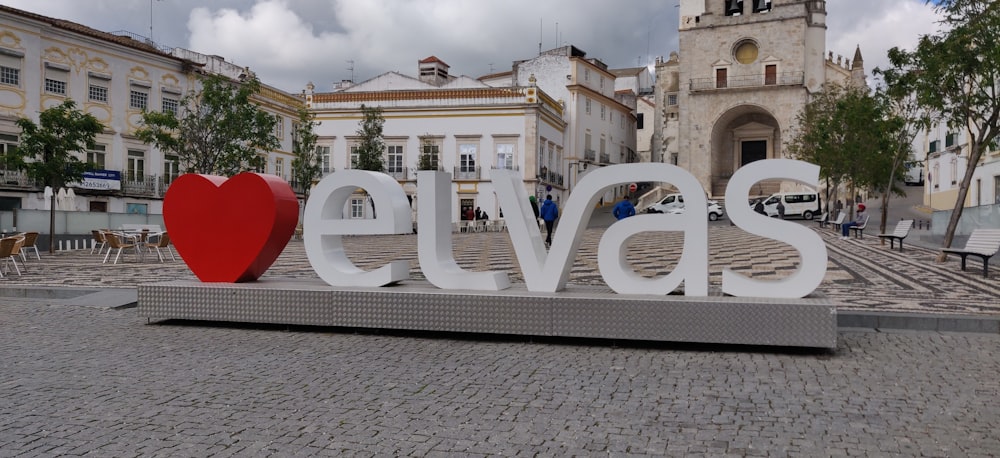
(549, 213)
(623, 209)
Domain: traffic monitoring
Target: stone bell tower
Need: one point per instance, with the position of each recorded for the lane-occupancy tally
(746, 69)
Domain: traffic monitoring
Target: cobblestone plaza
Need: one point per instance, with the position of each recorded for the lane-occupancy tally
(100, 381)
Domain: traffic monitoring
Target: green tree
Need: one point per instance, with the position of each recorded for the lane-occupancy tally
(306, 166)
(846, 130)
(45, 149)
(221, 131)
(371, 148)
(955, 75)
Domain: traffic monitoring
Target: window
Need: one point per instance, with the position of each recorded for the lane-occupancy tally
(431, 152)
(279, 127)
(770, 75)
(138, 97)
(170, 104)
(603, 111)
(279, 167)
(323, 153)
(671, 99)
(996, 189)
(721, 78)
(602, 82)
(934, 146)
(10, 67)
(354, 156)
(95, 156)
(394, 160)
(586, 105)
(467, 158)
(136, 165)
(954, 171)
(505, 156)
(586, 74)
(56, 78)
(638, 120)
(259, 164)
(949, 139)
(171, 168)
(357, 208)
(8, 144)
(10, 76)
(97, 89)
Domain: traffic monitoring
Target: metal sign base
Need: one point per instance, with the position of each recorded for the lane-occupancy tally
(578, 311)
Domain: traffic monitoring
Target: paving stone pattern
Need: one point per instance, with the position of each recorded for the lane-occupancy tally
(99, 382)
(862, 274)
(94, 381)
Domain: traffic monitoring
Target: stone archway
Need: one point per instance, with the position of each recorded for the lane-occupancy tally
(742, 134)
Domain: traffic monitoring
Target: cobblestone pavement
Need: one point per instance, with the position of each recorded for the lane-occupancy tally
(95, 381)
(100, 382)
(862, 274)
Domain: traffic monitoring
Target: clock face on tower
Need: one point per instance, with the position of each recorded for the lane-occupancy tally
(746, 52)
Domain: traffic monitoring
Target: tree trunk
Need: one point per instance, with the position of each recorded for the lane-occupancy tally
(52, 223)
(963, 191)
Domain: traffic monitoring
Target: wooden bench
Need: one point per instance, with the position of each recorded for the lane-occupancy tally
(859, 230)
(899, 233)
(983, 243)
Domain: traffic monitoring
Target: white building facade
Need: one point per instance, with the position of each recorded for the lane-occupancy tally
(114, 77)
(468, 127)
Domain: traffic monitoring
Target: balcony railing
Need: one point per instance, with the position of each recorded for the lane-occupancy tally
(781, 79)
(16, 179)
(605, 158)
(139, 185)
(467, 173)
(590, 155)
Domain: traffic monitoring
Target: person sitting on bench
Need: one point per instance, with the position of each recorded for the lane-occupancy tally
(859, 219)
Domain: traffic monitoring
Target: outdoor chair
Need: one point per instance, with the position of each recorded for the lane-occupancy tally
(116, 242)
(983, 243)
(160, 242)
(99, 242)
(7, 246)
(29, 245)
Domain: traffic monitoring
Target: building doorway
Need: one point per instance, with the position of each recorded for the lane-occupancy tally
(753, 150)
(467, 206)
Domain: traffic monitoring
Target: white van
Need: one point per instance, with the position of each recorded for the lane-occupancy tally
(667, 203)
(804, 204)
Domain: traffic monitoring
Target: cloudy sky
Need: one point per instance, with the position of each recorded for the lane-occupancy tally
(289, 43)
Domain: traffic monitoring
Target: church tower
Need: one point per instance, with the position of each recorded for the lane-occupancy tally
(746, 69)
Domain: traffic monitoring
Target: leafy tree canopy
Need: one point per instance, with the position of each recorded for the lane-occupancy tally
(371, 148)
(306, 166)
(953, 76)
(45, 149)
(220, 130)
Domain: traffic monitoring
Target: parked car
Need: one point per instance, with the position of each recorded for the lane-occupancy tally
(667, 203)
(804, 204)
(714, 210)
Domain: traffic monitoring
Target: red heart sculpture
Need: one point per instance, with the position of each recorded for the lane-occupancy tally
(230, 230)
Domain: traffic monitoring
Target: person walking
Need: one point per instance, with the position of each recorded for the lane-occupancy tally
(549, 212)
(781, 208)
(623, 209)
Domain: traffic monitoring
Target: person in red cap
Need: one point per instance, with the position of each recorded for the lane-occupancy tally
(859, 218)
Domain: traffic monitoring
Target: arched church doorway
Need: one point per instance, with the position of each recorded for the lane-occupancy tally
(741, 135)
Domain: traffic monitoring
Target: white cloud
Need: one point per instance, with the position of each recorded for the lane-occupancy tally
(289, 43)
